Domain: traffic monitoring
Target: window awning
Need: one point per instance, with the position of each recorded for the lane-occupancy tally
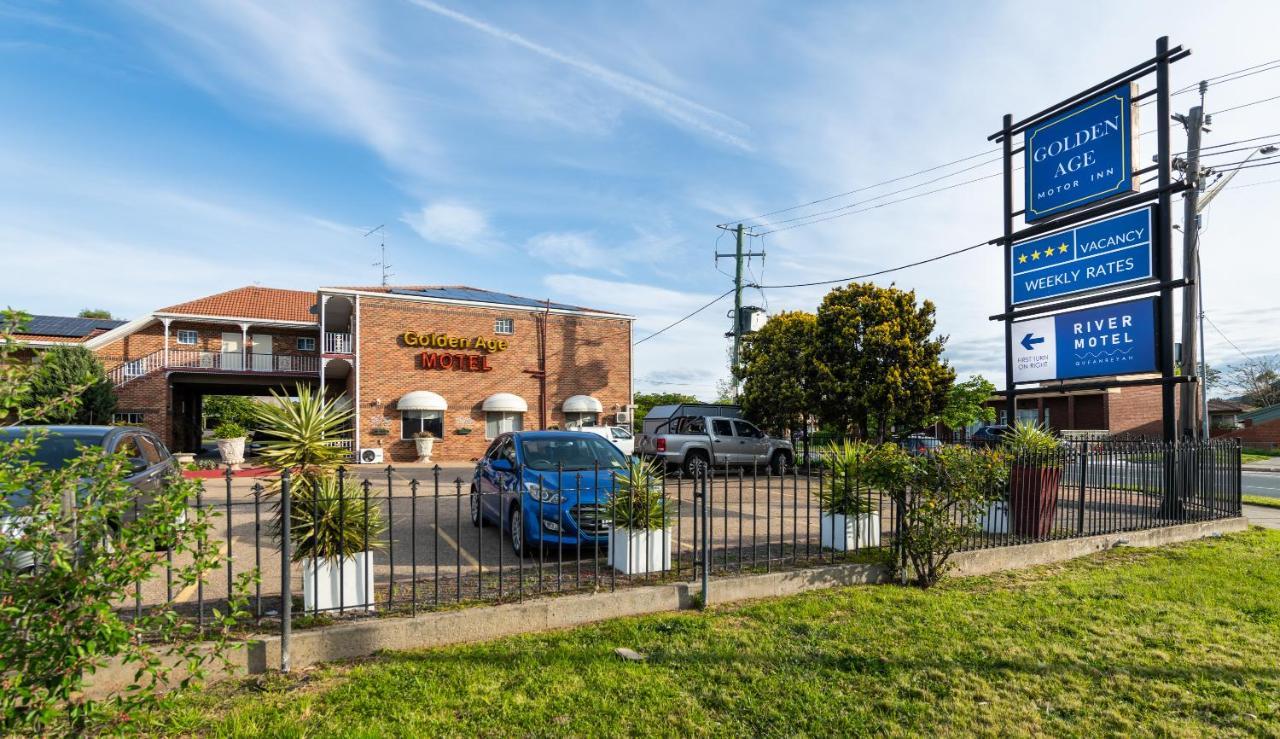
(421, 400)
(508, 402)
(583, 404)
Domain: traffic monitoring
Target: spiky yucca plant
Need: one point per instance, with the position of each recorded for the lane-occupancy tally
(329, 523)
(300, 434)
(852, 472)
(1032, 444)
(638, 503)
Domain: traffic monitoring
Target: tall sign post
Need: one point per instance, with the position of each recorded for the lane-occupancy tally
(1091, 240)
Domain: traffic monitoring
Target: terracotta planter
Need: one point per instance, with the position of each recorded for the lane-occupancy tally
(1033, 499)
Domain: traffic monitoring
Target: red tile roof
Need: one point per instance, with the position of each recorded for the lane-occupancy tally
(267, 303)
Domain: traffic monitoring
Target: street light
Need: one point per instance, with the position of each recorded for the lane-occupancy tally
(1265, 151)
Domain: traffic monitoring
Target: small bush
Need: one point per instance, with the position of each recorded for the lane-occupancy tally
(230, 430)
(638, 503)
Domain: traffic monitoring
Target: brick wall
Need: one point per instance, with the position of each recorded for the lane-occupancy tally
(1264, 434)
(1135, 411)
(585, 356)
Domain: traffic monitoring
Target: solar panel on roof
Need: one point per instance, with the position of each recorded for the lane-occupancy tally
(68, 326)
(480, 296)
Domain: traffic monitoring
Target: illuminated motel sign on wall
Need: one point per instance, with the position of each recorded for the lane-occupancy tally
(1082, 156)
(454, 357)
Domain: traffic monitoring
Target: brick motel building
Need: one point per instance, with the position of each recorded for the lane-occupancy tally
(462, 363)
(1131, 412)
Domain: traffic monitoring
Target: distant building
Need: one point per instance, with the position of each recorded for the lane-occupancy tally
(1120, 411)
(1225, 414)
(1260, 427)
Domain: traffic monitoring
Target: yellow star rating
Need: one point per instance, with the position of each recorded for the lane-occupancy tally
(1035, 256)
(1048, 253)
(1022, 259)
(1062, 248)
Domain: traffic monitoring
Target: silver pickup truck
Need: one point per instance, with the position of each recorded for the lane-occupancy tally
(695, 442)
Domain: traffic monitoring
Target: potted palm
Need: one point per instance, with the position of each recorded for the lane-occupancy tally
(849, 520)
(334, 533)
(230, 437)
(425, 441)
(1033, 479)
(640, 537)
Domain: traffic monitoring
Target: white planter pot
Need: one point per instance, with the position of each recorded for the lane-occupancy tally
(637, 551)
(844, 533)
(232, 450)
(349, 585)
(995, 519)
(425, 446)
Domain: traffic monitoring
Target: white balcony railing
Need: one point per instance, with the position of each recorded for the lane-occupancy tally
(335, 343)
(194, 359)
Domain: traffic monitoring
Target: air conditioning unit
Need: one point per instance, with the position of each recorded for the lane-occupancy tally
(622, 418)
(371, 455)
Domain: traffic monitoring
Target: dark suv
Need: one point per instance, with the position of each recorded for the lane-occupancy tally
(989, 436)
(150, 463)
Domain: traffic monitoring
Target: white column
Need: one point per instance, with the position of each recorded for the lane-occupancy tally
(244, 347)
(166, 322)
(324, 301)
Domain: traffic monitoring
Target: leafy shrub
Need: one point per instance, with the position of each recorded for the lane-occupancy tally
(230, 430)
(62, 367)
(939, 499)
(74, 543)
(638, 502)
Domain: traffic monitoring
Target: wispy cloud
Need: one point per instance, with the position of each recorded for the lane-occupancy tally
(674, 107)
(454, 224)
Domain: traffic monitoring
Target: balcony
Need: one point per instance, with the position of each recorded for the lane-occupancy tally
(205, 361)
(335, 343)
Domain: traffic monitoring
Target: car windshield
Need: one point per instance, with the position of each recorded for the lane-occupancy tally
(571, 453)
(56, 449)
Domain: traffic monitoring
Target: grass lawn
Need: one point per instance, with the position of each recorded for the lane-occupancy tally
(1247, 457)
(1261, 500)
(1179, 641)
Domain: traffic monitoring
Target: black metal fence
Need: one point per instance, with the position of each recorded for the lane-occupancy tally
(429, 553)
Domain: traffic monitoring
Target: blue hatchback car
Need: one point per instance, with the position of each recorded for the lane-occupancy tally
(547, 488)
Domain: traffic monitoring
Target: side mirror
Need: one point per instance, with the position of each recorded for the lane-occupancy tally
(500, 465)
(137, 464)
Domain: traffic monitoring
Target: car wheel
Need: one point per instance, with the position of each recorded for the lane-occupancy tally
(477, 517)
(517, 532)
(780, 463)
(696, 465)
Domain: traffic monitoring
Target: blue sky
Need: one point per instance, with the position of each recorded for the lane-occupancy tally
(578, 151)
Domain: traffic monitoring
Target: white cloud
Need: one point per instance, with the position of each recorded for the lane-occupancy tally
(676, 108)
(571, 249)
(453, 224)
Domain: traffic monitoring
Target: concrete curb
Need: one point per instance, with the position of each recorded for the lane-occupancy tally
(1260, 468)
(483, 623)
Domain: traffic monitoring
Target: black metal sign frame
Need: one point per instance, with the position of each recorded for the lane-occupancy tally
(1161, 236)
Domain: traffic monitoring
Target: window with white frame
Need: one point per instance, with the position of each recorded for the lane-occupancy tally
(413, 422)
(187, 336)
(504, 326)
(306, 343)
(501, 422)
(574, 418)
(127, 418)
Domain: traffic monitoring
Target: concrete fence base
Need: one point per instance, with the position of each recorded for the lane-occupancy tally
(481, 623)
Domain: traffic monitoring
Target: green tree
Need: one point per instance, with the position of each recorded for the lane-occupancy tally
(967, 404)
(879, 368)
(645, 402)
(66, 575)
(778, 375)
(95, 313)
(63, 367)
(231, 409)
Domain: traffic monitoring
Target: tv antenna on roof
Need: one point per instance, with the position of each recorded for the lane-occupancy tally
(382, 245)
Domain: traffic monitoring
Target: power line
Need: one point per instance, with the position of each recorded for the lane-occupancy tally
(1226, 339)
(722, 296)
(1253, 184)
(876, 273)
(881, 205)
(864, 187)
(1246, 105)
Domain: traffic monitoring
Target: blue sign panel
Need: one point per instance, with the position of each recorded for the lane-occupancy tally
(1080, 157)
(1117, 339)
(1109, 252)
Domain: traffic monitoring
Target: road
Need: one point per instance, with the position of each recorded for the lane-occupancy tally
(1266, 484)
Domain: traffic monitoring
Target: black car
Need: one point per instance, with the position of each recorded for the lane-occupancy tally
(150, 463)
(990, 436)
(921, 446)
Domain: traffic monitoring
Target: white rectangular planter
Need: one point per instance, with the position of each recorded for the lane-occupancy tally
(995, 519)
(844, 533)
(637, 551)
(348, 586)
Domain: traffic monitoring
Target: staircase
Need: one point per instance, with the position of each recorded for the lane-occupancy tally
(206, 361)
